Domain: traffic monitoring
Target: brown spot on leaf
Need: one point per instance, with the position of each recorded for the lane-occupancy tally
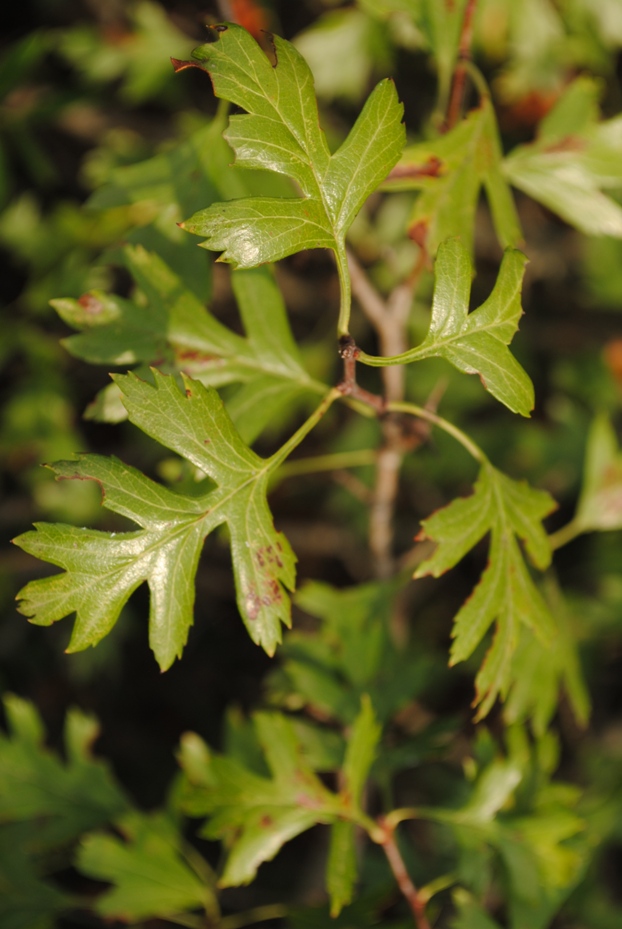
(252, 604)
(430, 168)
(191, 354)
(266, 821)
(91, 304)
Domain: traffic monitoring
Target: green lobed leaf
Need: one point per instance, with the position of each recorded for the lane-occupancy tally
(341, 870)
(150, 876)
(475, 342)
(168, 326)
(103, 569)
(528, 820)
(256, 815)
(361, 749)
(280, 132)
(572, 161)
(352, 655)
(540, 671)
(450, 171)
(64, 799)
(505, 594)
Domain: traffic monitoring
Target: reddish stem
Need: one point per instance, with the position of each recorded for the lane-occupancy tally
(348, 386)
(406, 886)
(460, 73)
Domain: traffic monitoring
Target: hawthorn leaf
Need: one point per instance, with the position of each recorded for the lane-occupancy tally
(341, 869)
(281, 132)
(574, 158)
(254, 814)
(351, 655)
(103, 569)
(60, 799)
(540, 671)
(600, 503)
(475, 343)
(149, 874)
(450, 171)
(360, 751)
(167, 325)
(505, 594)
(529, 836)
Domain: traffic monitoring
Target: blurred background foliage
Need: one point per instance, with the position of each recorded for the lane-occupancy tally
(102, 146)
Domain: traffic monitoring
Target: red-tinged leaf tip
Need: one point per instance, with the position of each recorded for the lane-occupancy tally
(179, 65)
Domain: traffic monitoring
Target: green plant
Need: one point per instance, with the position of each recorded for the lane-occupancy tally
(504, 841)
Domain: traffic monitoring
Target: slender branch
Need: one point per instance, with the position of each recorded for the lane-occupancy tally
(333, 462)
(404, 882)
(285, 450)
(389, 319)
(474, 450)
(566, 534)
(348, 386)
(460, 72)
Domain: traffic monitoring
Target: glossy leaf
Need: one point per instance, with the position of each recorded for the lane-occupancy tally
(165, 551)
(281, 132)
(506, 593)
(149, 875)
(476, 342)
(450, 171)
(572, 161)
